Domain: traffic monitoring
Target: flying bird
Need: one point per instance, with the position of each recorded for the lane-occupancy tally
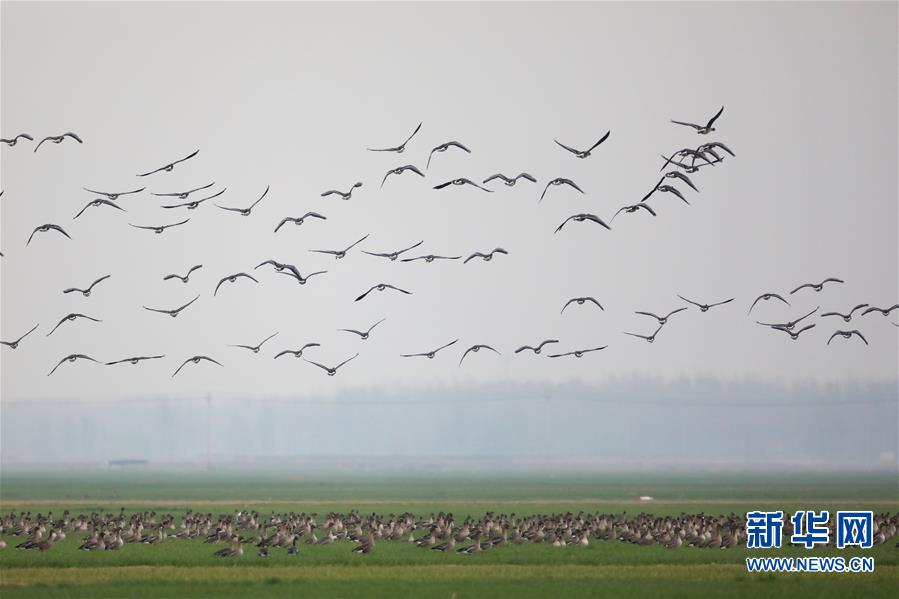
(15, 344)
(443, 148)
(98, 202)
(293, 271)
(363, 334)
(559, 181)
(135, 360)
(57, 139)
(884, 311)
(429, 354)
(665, 189)
(661, 319)
(381, 287)
(72, 358)
(14, 140)
(297, 353)
(584, 153)
(510, 182)
(789, 325)
(817, 286)
(647, 338)
(579, 218)
(702, 129)
(580, 301)
(430, 258)
(462, 181)
(344, 195)
(845, 317)
(706, 307)
(398, 149)
(338, 254)
(86, 292)
(685, 153)
(681, 176)
(192, 205)
(232, 279)
(170, 166)
(400, 170)
(246, 211)
(536, 348)
(765, 297)
(70, 317)
(486, 257)
(632, 209)
(110, 195)
(175, 312)
(194, 360)
(255, 348)
(299, 220)
(44, 228)
(475, 349)
(794, 334)
(182, 195)
(186, 277)
(847, 335)
(331, 370)
(710, 148)
(578, 353)
(158, 229)
(392, 256)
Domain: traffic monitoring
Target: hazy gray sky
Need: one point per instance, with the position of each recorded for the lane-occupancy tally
(290, 95)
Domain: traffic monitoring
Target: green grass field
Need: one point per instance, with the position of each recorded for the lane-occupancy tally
(179, 568)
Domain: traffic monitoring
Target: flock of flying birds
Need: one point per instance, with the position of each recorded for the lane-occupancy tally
(675, 169)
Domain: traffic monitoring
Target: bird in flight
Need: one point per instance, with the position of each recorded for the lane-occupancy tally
(277, 265)
(788, 325)
(186, 277)
(536, 348)
(584, 153)
(381, 287)
(678, 175)
(847, 335)
(706, 307)
(86, 292)
(338, 254)
(398, 149)
(400, 170)
(299, 220)
(665, 189)
(685, 153)
(170, 166)
(72, 358)
(647, 338)
(293, 271)
(194, 360)
(510, 182)
(709, 148)
(486, 257)
(246, 211)
(57, 139)
(232, 279)
(579, 218)
(331, 370)
(192, 205)
(429, 354)
(175, 312)
(363, 334)
(475, 349)
(297, 353)
(182, 195)
(98, 202)
(44, 228)
(158, 229)
(443, 148)
(255, 348)
(845, 317)
(392, 256)
(113, 195)
(15, 344)
(661, 319)
(344, 195)
(794, 334)
(580, 301)
(430, 258)
(632, 209)
(559, 181)
(71, 317)
(817, 286)
(884, 311)
(702, 129)
(14, 140)
(462, 181)
(765, 297)
(135, 360)
(578, 352)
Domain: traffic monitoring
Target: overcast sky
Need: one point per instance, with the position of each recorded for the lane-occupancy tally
(290, 95)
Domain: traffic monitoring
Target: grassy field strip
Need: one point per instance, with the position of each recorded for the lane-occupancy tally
(19, 577)
(354, 502)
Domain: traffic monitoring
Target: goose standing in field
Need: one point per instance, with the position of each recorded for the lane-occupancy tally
(299, 220)
(578, 353)
(400, 148)
(255, 348)
(661, 319)
(72, 358)
(193, 204)
(392, 256)
(462, 181)
(194, 360)
(580, 301)
(71, 317)
(847, 335)
(113, 195)
(339, 254)
(44, 228)
(368, 543)
(12, 141)
(249, 209)
(559, 181)
(86, 292)
(58, 139)
(794, 334)
(848, 316)
(706, 307)
(486, 257)
(817, 286)
(363, 334)
(788, 325)
(134, 360)
(883, 311)
(175, 312)
(430, 354)
(159, 229)
(702, 129)
(296, 353)
(186, 277)
(475, 349)
(183, 195)
(647, 338)
(232, 279)
(765, 297)
(584, 153)
(381, 287)
(536, 348)
(15, 344)
(579, 218)
(510, 181)
(235, 550)
(170, 166)
(98, 202)
(344, 195)
(332, 370)
(443, 148)
(400, 170)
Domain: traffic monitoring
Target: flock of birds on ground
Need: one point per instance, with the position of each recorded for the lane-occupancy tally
(438, 532)
(677, 167)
